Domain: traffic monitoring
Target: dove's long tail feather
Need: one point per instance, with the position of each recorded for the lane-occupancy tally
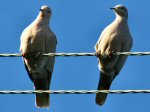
(42, 99)
(104, 84)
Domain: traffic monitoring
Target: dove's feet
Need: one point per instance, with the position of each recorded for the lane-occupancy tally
(110, 54)
(98, 54)
(24, 54)
(38, 55)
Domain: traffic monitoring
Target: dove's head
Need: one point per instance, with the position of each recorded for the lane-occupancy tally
(121, 11)
(45, 12)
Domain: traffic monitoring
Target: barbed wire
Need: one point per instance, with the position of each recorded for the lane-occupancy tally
(79, 54)
(73, 91)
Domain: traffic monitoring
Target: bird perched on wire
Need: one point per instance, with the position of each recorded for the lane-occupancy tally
(36, 40)
(116, 37)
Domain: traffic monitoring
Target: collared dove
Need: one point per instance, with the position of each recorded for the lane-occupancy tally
(115, 38)
(38, 39)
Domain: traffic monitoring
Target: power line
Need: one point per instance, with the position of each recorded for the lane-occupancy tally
(74, 91)
(80, 54)
(132, 53)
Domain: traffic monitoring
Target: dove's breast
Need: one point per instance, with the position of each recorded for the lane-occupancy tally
(35, 41)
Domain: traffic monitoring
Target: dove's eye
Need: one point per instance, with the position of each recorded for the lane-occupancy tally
(121, 8)
(48, 11)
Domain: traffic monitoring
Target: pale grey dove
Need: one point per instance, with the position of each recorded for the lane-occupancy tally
(38, 39)
(115, 38)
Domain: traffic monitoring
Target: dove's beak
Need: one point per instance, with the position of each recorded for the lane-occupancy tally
(40, 9)
(112, 8)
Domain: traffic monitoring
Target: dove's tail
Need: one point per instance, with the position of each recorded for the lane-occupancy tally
(42, 99)
(104, 84)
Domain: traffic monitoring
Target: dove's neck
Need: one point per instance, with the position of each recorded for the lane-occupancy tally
(43, 19)
(121, 19)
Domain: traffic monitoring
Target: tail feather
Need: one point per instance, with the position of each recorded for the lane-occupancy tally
(42, 99)
(104, 84)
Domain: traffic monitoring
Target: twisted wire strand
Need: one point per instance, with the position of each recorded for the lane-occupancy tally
(79, 54)
(132, 53)
(73, 91)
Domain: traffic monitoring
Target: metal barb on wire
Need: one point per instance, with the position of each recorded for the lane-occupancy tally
(73, 91)
(78, 54)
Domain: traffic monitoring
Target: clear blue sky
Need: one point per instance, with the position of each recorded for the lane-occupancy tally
(77, 25)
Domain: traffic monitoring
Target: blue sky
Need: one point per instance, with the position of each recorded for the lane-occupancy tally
(77, 25)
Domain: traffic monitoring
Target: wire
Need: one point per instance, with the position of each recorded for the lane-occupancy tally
(51, 54)
(80, 54)
(132, 53)
(73, 91)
